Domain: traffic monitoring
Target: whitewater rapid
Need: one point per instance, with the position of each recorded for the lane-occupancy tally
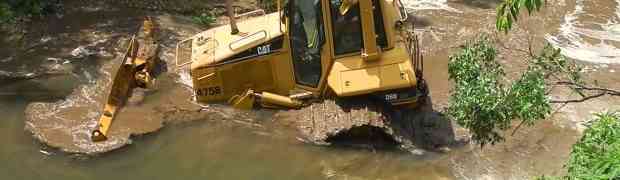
(585, 39)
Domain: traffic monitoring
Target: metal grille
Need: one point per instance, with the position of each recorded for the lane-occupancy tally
(184, 53)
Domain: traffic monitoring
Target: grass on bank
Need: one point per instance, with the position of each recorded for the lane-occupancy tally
(205, 18)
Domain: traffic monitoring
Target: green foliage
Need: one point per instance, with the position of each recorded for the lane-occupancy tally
(6, 15)
(508, 12)
(205, 19)
(269, 5)
(29, 7)
(527, 97)
(482, 103)
(597, 154)
(556, 65)
(10, 10)
(476, 101)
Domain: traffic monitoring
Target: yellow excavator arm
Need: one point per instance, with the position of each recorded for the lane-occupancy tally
(136, 70)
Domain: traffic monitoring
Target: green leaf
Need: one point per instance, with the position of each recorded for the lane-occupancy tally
(597, 154)
(538, 4)
(529, 5)
(514, 11)
(505, 18)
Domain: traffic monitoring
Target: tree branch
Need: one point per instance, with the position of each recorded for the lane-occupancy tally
(517, 128)
(602, 92)
(583, 87)
(579, 100)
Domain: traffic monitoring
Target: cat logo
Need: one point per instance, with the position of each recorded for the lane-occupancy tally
(262, 50)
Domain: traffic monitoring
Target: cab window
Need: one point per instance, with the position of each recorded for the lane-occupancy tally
(307, 37)
(347, 29)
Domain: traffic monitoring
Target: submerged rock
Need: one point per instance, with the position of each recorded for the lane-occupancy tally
(82, 52)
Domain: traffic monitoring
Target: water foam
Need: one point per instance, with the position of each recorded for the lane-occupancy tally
(429, 5)
(571, 39)
(185, 78)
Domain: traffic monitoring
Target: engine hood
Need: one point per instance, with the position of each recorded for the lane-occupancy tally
(218, 44)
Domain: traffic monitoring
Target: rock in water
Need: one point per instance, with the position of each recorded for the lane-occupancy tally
(82, 52)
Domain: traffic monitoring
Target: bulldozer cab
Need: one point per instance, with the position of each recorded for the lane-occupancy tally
(311, 22)
(303, 50)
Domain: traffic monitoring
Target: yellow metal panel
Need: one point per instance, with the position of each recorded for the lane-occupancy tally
(360, 81)
(367, 77)
(219, 84)
(208, 85)
(392, 77)
(216, 44)
(255, 74)
(283, 73)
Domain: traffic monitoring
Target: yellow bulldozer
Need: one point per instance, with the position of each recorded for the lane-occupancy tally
(306, 51)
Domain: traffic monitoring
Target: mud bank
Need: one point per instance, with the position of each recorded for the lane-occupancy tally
(66, 124)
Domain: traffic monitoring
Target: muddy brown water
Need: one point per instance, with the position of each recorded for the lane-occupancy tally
(257, 145)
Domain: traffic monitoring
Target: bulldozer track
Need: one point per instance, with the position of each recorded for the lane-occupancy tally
(416, 128)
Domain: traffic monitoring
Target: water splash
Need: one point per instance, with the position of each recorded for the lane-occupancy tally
(185, 78)
(429, 5)
(572, 38)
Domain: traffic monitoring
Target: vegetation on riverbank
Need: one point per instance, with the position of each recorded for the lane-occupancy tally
(205, 18)
(14, 10)
(597, 155)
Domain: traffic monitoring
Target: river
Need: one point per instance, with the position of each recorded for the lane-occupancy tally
(585, 30)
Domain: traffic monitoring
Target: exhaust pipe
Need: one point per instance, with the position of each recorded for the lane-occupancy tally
(231, 15)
